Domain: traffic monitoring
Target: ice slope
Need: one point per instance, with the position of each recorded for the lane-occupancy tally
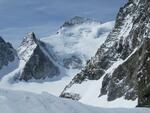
(25, 102)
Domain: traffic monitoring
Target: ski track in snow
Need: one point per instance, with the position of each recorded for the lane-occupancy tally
(26, 102)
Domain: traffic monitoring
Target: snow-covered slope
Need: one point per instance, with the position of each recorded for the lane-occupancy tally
(119, 69)
(25, 102)
(78, 41)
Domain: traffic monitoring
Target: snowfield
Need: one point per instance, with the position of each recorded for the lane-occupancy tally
(25, 102)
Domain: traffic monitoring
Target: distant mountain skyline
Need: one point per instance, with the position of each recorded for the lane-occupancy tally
(45, 16)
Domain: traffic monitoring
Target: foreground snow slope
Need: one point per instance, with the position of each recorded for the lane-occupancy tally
(24, 102)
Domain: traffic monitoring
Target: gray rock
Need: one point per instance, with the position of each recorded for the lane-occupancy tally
(131, 32)
(39, 64)
(7, 53)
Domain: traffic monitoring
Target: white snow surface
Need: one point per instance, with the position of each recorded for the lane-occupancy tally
(89, 92)
(25, 102)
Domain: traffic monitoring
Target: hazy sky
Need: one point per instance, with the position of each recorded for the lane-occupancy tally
(17, 17)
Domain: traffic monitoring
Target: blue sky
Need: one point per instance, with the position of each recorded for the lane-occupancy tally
(17, 17)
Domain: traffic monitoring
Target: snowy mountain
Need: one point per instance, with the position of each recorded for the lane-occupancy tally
(67, 50)
(8, 58)
(74, 44)
(62, 54)
(38, 62)
(77, 20)
(117, 76)
(34, 61)
(119, 70)
(26, 102)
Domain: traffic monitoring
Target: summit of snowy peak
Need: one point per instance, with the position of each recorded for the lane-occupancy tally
(30, 37)
(35, 60)
(77, 20)
(27, 46)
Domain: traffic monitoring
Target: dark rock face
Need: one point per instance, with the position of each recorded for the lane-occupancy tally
(143, 75)
(73, 62)
(128, 42)
(39, 64)
(76, 20)
(72, 96)
(125, 80)
(7, 53)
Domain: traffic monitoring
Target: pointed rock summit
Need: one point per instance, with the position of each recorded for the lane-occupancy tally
(27, 46)
(36, 59)
(30, 38)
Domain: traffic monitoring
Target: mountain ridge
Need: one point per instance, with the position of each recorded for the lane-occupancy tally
(35, 54)
(131, 28)
(8, 57)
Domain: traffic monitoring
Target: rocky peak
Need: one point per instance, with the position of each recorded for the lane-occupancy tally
(77, 20)
(36, 60)
(30, 38)
(27, 46)
(7, 53)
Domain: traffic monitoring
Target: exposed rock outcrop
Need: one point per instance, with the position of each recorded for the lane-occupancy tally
(127, 42)
(7, 53)
(8, 58)
(38, 64)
